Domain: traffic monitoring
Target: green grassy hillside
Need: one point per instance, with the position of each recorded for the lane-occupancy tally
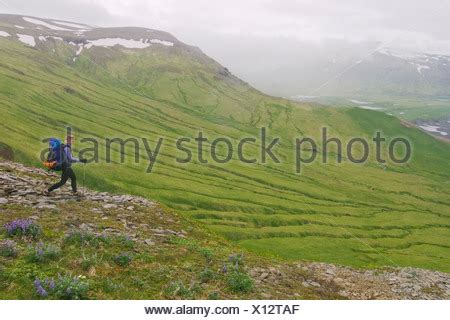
(361, 215)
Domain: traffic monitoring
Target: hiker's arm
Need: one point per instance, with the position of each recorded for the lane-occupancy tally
(70, 157)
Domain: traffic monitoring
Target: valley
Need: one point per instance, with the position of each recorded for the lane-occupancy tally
(154, 86)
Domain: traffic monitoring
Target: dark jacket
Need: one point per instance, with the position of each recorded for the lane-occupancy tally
(63, 156)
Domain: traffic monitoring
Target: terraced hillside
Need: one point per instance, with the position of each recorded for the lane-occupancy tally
(118, 246)
(155, 86)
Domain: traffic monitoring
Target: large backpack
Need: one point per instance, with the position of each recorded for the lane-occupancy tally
(56, 155)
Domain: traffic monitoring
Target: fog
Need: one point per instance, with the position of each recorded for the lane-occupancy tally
(255, 38)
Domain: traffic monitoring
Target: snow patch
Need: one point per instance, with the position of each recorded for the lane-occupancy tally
(303, 97)
(370, 108)
(359, 102)
(420, 67)
(70, 25)
(165, 43)
(400, 54)
(111, 42)
(79, 50)
(435, 129)
(44, 38)
(28, 40)
(4, 34)
(19, 27)
(430, 128)
(45, 24)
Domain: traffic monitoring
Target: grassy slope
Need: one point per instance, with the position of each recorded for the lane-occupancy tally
(404, 107)
(357, 215)
(171, 267)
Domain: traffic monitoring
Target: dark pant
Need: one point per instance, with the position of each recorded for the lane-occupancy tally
(67, 173)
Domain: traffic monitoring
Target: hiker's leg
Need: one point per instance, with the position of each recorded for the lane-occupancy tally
(73, 179)
(64, 178)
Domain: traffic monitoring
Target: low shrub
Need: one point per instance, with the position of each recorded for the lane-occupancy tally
(109, 286)
(207, 275)
(178, 289)
(214, 296)
(88, 262)
(86, 238)
(207, 254)
(123, 259)
(126, 241)
(64, 288)
(236, 260)
(43, 253)
(239, 282)
(8, 249)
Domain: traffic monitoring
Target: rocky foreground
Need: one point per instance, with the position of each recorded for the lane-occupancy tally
(23, 187)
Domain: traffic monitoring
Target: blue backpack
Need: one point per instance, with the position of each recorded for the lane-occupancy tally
(56, 155)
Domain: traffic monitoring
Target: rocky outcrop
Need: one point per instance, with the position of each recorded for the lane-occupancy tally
(351, 283)
(26, 186)
(21, 185)
(385, 283)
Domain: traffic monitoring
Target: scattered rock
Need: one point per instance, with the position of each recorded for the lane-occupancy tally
(388, 283)
(110, 206)
(263, 276)
(46, 206)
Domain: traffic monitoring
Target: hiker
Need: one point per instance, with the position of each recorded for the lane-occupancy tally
(60, 158)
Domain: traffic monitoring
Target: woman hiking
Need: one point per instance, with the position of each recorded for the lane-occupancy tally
(60, 158)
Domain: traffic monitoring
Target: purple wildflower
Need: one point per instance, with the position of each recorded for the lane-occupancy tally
(40, 251)
(19, 224)
(41, 291)
(37, 283)
(22, 227)
(39, 288)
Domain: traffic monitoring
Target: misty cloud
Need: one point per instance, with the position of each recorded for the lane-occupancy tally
(251, 37)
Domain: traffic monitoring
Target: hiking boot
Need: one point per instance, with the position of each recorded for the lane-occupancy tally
(78, 196)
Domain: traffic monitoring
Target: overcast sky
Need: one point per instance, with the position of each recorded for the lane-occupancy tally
(297, 19)
(233, 29)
